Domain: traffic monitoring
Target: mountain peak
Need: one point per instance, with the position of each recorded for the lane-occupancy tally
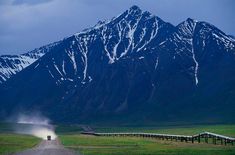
(190, 23)
(190, 20)
(134, 10)
(187, 27)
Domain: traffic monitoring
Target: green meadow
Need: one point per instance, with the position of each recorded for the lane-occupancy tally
(71, 137)
(92, 145)
(228, 130)
(11, 143)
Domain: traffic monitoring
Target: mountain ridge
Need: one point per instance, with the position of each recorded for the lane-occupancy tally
(12, 64)
(8, 72)
(132, 66)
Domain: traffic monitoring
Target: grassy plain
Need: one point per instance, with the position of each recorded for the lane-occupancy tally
(10, 143)
(228, 130)
(91, 145)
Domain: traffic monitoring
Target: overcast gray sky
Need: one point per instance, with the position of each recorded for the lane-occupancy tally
(28, 24)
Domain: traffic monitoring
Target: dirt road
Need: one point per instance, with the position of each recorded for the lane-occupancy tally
(52, 147)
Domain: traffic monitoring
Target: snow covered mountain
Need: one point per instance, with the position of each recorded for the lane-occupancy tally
(12, 64)
(133, 67)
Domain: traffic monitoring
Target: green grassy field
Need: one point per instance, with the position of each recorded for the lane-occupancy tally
(91, 145)
(10, 143)
(228, 130)
(68, 129)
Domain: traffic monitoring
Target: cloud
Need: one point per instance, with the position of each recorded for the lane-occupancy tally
(29, 2)
(28, 24)
(5, 2)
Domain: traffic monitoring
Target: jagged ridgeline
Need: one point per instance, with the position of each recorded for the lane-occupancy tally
(133, 68)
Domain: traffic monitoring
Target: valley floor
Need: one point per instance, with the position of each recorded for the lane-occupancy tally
(92, 145)
(71, 138)
(11, 143)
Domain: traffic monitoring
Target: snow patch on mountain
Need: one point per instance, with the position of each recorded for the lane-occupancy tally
(132, 32)
(10, 65)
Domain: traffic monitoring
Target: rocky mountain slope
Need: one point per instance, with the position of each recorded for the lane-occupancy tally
(133, 68)
(12, 64)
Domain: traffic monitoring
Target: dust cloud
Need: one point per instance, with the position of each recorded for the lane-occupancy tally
(36, 125)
